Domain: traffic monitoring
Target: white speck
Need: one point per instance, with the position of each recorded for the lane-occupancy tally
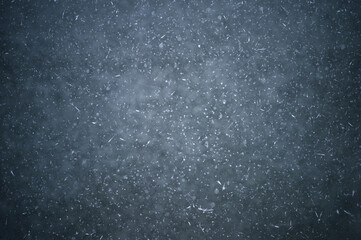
(353, 193)
(161, 45)
(122, 139)
(321, 154)
(12, 173)
(293, 116)
(94, 123)
(223, 187)
(76, 18)
(337, 211)
(261, 9)
(201, 228)
(137, 110)
(107, 53)
(118, 75)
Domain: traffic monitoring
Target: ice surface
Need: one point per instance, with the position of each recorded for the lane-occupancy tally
(180, 119)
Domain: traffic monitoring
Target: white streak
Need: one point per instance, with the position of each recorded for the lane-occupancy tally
(111, 139)
(75, 107)
(204, 210)
(348, 213)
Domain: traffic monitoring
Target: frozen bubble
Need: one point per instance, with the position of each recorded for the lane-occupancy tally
(216, 191)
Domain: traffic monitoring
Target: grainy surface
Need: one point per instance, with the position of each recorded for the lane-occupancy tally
(180, 119)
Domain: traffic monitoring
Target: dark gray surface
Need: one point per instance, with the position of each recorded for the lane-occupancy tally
(180, 120)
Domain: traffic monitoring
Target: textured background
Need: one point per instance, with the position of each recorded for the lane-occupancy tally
(180, 120)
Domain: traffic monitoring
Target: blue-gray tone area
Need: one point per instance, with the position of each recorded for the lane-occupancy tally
(180, 119)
